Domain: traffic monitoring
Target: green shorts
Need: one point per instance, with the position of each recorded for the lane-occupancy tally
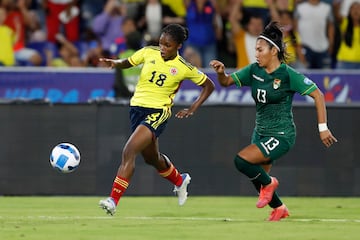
(273, 147)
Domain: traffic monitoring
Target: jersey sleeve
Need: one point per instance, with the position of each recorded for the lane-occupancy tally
(242, 77)
(197, 76)
(138, 57)
(300, 83)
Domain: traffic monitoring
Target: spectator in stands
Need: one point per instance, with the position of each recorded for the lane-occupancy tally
(205, 27)
(225, 45)
(36, 6)
(244, 37)
(342, 8)
(62, 13)
(192, 56)
(257, 8)
(8, 37)
(348, 56)
(18, 17)
(37, 35)
(90, 48)
(90, 9)
(177, 6)
(106, 26)
(132, 7)
(66, 56)
(283, 5)
(315, 24)
(296, 58)
(128, 26)
(126, 79)
(153, 17)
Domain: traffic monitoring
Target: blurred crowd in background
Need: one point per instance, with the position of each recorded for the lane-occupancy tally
(319, 34)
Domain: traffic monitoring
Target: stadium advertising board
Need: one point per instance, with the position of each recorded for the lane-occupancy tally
(82, 85)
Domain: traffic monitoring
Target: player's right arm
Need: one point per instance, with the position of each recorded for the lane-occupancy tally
(121, 63)
(224, 79)
(325, 135)
(207, 88)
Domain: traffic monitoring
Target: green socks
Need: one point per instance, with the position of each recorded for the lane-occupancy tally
(258, 177)
(253, 171)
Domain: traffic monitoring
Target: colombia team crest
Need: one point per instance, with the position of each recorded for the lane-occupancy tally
(276, 83)
(173, 71)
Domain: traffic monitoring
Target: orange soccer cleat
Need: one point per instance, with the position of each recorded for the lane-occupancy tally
(278, 213)
(266, 193)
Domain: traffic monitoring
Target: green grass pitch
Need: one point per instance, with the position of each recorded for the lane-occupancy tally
(155, 218)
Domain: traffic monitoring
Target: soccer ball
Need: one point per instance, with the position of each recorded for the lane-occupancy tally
(65, 157)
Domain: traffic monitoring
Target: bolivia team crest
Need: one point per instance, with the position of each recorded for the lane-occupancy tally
(276, 83)
(173, 71)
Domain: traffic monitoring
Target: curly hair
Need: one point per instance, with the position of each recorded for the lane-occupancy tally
(177, 32)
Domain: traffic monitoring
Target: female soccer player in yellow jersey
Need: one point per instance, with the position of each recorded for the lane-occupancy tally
(273, 85)
(150, 108)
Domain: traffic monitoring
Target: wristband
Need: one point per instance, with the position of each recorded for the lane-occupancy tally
(117, 61)
(322, 127)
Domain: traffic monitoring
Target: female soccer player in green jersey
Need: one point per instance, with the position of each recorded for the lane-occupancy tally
(150, 108)
(273, 85)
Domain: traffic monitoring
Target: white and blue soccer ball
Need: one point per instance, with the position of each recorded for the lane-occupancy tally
(65, 157)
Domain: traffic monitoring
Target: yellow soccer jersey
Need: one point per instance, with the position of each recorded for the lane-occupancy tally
(160, 80)
(7, 56)
(346, 53)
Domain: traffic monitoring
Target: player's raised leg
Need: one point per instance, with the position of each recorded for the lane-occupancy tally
(167, 170)
(180, 181)
(255, 171)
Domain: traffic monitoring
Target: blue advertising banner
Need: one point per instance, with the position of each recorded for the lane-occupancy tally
(81, 85)
(58, 86)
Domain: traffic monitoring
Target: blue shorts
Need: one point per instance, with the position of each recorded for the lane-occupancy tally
(154, 119)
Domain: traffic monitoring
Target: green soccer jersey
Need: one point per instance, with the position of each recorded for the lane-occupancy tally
(273, 94)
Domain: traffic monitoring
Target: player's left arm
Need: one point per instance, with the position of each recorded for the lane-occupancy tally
(121, 63)
(134, 60)
(207, 88)
(325, 134)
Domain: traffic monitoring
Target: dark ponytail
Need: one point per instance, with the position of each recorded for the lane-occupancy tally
(274, 36)
(349, 32)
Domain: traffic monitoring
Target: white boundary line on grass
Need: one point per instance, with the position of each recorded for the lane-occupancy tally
(219, 219)
(242, 220)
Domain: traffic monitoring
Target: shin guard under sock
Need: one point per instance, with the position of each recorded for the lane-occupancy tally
(171, 174)
(252, 171)
(119, 187)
